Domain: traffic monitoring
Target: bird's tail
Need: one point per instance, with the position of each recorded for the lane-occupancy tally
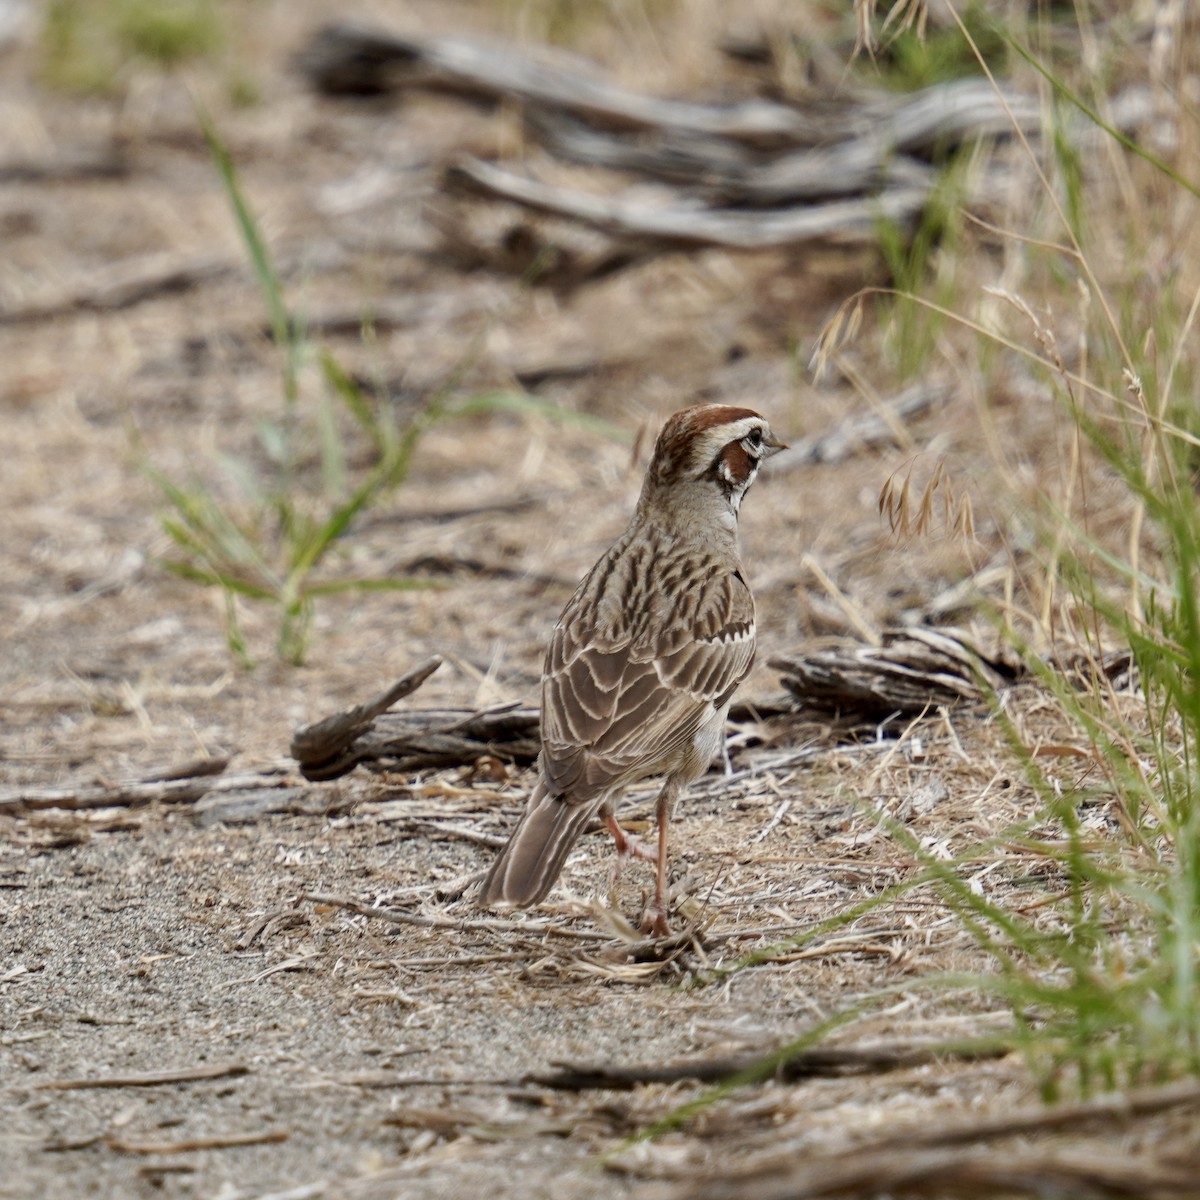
(531, 861)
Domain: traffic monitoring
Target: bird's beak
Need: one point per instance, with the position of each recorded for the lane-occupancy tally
(773, 445)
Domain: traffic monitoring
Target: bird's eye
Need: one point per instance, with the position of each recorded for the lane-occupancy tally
(754, 437)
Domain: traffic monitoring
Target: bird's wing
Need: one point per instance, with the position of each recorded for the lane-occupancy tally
(617, 706)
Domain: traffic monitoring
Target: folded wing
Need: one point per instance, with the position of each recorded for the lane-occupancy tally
(616, 707)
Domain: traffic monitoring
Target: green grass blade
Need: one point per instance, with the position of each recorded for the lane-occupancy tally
(260, 255)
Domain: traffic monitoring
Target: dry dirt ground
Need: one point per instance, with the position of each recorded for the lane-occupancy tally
(352, 1056)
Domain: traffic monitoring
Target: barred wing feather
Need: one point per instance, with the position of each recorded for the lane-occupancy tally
(615, 711)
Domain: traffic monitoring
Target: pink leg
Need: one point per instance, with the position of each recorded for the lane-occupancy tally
(626, 844)
(654, 919)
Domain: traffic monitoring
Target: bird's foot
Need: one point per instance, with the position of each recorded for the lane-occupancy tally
(654, 920)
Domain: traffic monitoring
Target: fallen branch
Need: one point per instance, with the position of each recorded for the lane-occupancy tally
(783, 174)
(682, 222)
(733, 174)
(413, 740)
(916, 668)
(184, 784)
(821, 1062)
(350, 57)
(354, 58)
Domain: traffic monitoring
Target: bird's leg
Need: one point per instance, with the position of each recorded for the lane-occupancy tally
(627, 846)
(654, 919)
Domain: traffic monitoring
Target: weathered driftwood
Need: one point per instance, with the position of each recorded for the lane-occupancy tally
(745, 175)
(730, 174)
(916, 668)
(679, 221)
(911, 670)
(875, 150)
(348, 57)
(413, 740)
(354, 58)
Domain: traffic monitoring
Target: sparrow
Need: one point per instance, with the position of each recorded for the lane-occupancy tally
(645, 659)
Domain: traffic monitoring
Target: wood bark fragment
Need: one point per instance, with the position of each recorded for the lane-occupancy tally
(322, 748)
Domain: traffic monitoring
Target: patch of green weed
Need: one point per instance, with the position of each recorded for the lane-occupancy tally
(88, 45)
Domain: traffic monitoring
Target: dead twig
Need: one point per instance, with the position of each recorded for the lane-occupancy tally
(147, 1078)
(68, 165)
(218, 1142)
(122, 285)
(399, 916)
